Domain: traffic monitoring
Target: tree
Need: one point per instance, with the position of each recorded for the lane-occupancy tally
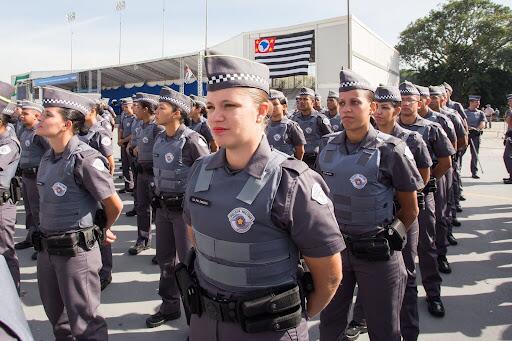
(467, 43)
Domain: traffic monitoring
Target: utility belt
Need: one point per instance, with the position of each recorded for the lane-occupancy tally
(309, 158)
(68, 244)
(29, 172)
(14, 191)
(145, 168)
(4, 197)
(421, 200)
(431, 186)
(378, 247)
(277, 311)
(475, 133)
(172, 202)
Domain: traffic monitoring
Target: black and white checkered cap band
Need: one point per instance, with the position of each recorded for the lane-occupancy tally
(9, 109)
(237, 76)
(387, 98)
(509, 96)
(409, 92)
(354, 84)
(146, 99)
(49, 101)
(179, 103)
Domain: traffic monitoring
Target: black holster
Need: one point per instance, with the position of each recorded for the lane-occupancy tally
(15, 189)
(369, 248)
(187, 285)
(170, 202)
(421, 200)
(431, 186)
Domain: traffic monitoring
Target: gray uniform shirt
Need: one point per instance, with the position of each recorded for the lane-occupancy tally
(202, 128)
(475, 117)
(9, 158)
(445, 123)
(460, 132)
(416, 145)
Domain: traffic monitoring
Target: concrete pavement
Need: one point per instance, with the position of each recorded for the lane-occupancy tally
(477, 295)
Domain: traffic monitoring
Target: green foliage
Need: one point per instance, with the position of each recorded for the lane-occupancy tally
(467, 43)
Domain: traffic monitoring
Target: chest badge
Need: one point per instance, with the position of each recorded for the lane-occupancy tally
(4, 150)
(308, 130)
(358, 181)
(241, 219)
(145, 139)
(336, 127)
(277, 137)
(106, 141)
(169, 157)
(59, 189)
(128, 124)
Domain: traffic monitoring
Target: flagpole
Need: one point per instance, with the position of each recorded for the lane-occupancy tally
(206, 29)
(349, 37)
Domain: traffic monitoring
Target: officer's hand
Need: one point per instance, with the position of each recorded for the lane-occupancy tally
(110, 237)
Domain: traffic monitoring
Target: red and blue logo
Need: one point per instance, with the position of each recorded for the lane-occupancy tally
(264, 45)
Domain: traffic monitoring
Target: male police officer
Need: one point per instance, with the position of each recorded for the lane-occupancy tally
(476, 122)
(198, 122)
(507, 153)
(317, 103)
(174, 152)
(282, 133)
(33, 148)
(332, 111)
(313, 123)
(440, 149)
(146, 105)
(124, 132)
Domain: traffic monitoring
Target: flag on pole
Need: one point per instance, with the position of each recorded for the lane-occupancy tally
(189, 75)
(285, 55)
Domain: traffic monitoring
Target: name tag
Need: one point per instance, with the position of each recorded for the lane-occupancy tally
(328, 173)
(200, 201)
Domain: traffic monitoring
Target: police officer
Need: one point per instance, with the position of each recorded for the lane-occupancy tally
(252, 210)
(453, 104)
(332, 111)
(9, 159)
(124, 133)
(441, 150)
(199, 123)
(131, 149)
(317, 104)
(282, 133)
(454, 183)
(174, 152)
(365, 169)
(507, 153)
(476, 122)
(313, 124)
(73, 180)
(33, 148)
(146, 105)
(99, 137)
(388, 101)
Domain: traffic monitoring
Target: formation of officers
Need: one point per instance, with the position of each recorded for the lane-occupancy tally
(264, 240)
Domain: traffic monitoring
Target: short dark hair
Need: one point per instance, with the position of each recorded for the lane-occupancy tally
(150, 106)
(76, 117)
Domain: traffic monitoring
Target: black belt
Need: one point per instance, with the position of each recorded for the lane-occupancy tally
(274, 312)
(373, 248)
(171, 202)
(29, 172)
(146, 168)
(67, 244)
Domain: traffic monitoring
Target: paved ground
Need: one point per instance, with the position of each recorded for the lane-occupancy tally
(477, 295)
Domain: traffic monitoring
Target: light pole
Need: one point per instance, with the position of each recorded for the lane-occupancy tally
(120, 6)
(70, 17)
(163, 27)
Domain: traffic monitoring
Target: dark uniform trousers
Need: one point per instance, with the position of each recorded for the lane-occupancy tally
(31, 201)
(7, 228)
(427, 252)
(457, 185)
(127, 171)
(205, 329)
(409, 319)
(442, 224)
(381, 289)
(70, 290)
(475, 139)
(143, 206)
(507, 157)
(106, 260)
(171, 233)
(133, 165)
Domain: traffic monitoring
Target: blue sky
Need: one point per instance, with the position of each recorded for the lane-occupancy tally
(36, 35)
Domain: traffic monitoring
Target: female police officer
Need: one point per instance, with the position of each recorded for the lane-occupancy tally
(9, 158)
(365, 170)
(99, 137)
(174, 152)
(73, 180)
(252, 211)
